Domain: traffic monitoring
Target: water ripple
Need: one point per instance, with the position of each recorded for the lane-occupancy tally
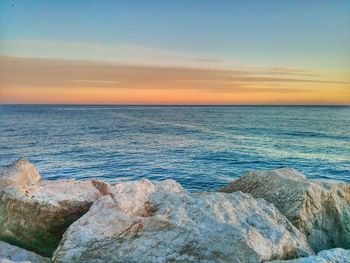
(201, 147)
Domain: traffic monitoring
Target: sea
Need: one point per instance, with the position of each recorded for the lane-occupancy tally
(201, 147)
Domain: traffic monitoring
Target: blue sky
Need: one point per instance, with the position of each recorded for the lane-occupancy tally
(294, 33)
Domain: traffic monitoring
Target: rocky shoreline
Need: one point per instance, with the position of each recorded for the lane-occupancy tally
(275, 215)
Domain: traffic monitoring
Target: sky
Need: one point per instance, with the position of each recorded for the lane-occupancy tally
(175, 52)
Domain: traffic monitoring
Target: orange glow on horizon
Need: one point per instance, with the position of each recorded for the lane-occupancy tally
(98, 95)
(38, 81)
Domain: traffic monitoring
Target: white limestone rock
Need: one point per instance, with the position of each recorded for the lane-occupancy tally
(21, 172)
(13, 254)
(161, 222)
(336, 255)
(319, 209)
(35, 213)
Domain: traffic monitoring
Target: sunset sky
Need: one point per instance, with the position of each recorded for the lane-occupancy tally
(175, 52)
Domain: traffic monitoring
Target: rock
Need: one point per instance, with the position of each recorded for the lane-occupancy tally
(319, 209)
(161, 222)
(9, 253)
(35, 215)
(336, 255)
(21, 172)
(101, 186)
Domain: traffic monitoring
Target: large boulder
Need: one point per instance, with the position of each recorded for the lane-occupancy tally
(34, 213)
(335, 255)
(9, 253)
(161, 222)
(319, 209)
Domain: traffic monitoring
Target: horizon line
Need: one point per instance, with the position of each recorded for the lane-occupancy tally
(168, 105)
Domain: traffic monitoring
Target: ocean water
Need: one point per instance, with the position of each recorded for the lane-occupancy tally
(203, 148)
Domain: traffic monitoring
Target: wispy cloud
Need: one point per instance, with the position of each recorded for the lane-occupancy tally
(98, 82)
(122, 53)
(32, 77)
(135, 54)
(70, 73)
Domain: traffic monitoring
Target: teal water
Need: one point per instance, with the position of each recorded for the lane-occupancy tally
(201, 147)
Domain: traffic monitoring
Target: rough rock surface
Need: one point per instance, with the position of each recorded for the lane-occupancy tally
(35, 215)
(319, 209)
(336, 255)
(9, 253)
(21, 172)
(161, 222)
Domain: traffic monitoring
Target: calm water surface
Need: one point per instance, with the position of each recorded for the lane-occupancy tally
(201, 147)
